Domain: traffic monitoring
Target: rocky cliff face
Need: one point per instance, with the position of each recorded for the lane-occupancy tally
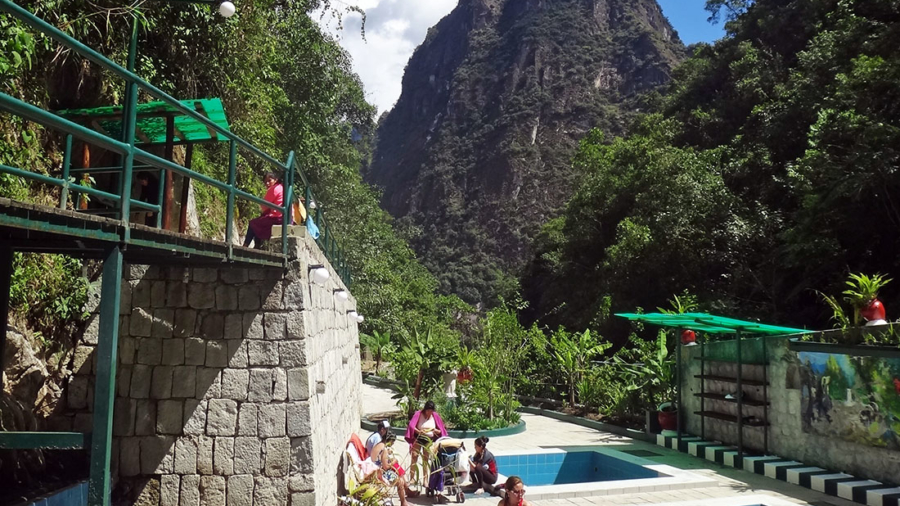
(476, 154)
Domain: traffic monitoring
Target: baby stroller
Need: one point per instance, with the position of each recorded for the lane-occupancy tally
(445, 469)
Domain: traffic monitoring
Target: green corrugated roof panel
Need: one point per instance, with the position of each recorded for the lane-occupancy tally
(151, 124)
(710, 323)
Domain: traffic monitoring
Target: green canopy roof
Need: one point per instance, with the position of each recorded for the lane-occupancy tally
(710, 323)
(151, 123)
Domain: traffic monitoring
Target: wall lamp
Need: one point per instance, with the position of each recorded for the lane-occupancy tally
(342, 294)
(353, 314)
(226, 9)
(360, 319)
(319, 274)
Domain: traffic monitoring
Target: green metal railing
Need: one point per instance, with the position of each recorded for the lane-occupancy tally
(130, 154)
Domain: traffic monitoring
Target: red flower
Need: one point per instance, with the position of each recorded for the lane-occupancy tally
(897, 385)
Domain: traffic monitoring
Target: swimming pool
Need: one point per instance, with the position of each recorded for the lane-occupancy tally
(571, 467)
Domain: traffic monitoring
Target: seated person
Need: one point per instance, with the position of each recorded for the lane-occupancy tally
(383, 428)
(389, 469)
(260, 229)
(483, 467)
(514, 493)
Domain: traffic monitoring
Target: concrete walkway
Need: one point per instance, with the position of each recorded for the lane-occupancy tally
(732, 487)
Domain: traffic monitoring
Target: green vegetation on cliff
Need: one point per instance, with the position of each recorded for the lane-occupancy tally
(770, 169)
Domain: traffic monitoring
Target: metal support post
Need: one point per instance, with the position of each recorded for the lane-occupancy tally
(6, 258)
(740, 395)
(765, 366)
(185, 189)
(229, 213)
(104, 389)
(678, 413)
(702, 388)
(168, 182)
(288, 187)
(67, 165)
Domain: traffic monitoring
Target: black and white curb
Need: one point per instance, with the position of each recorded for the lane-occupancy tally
(845, 486)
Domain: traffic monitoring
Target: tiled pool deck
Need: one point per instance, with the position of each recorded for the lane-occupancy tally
(699, 482)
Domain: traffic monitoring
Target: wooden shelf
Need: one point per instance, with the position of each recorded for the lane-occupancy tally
(728, 418)
(728, 379)
(721, 397)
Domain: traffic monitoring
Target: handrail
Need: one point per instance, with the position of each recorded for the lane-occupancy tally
(130, 153)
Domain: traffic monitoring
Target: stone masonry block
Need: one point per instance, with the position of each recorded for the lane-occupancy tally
(235, 384)
(248, 420)
(302, 455)
(246, 455)
(123, 381)
(140, 323)
(237, 354)
(158, 294)
(92, 330)
(212, 490)
(279, 385)
(261, 382)
(186, 456)
(272, 420)
(303, 498)
(194, 351)
(125, 301)
(256, 274)
(212, 326)
(273, 293)
(169, 489)
(173, 352)
(195, 417)
(161, 387)
(135, 271)
(296, 325)
(295, 296)
(205, 455)
(248, 298)
(275, 326)
(253, 326)
(298, 419)
(201, 296)
(262, 352)
(145, 418)
(234, 326)
(209, 383)
(163, 323)
(149, 351)
(203, 275)
(298, 384)
(223, 456)
(147, 491)
(270, 491)
(240, 490)
(226, 298)
(157, 455)
(190, 490)
(235, 276)
(140, 293)
(278, 456)
(217, 354)
(82, 363)
(292, 353)
(302, 483)
(184, 382)
(169, 417)
(140, 381)
(127, 350)
(176, 294)
(130, 456)
(185, 320)
(221, 419)
(123, 418)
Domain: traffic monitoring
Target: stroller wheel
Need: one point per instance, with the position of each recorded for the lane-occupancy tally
(460, 497)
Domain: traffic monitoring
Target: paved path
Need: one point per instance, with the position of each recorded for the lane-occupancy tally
(733, 486)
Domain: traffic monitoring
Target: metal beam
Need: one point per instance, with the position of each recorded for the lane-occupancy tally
(104, 389)
(44, 440)
(6, 258)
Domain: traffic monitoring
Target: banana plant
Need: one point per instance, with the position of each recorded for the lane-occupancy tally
(573, 353)
(379, 343)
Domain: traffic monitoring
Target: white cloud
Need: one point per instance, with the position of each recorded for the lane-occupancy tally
(394, 28)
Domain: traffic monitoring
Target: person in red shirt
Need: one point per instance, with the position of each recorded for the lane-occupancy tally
(260, 229)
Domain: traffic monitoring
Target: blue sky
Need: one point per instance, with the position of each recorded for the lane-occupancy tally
(689, 19)
(395, 27)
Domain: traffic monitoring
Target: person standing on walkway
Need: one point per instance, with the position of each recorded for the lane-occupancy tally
(483, 467)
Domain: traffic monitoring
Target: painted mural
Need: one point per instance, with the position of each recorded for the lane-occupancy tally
(852, 398)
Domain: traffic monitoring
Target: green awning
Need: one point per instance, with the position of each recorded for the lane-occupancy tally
(151, 123)
(711, 324)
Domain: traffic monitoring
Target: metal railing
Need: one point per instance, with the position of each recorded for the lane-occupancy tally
(129, 153)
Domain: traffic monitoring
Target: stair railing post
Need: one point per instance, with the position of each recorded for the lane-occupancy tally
(229, 212)
(67, 165)
(6, 259)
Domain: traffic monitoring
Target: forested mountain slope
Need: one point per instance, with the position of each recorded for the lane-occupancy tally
(771, 170)
(476, 154)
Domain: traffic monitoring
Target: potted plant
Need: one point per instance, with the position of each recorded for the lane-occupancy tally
(862, 294)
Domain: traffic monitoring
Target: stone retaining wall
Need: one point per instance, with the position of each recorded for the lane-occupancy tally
(235, 386)
(786, 436)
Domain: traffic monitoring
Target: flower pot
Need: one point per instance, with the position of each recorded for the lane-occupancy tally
(873, 312)
(464, 376)
(688, 338)
(668, 416)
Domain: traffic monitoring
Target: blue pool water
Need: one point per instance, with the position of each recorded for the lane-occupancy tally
(570, 467)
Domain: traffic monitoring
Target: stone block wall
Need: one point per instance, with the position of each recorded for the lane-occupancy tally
(786, 436)
(235, 386)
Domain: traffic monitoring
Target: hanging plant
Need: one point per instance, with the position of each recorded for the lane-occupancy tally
(862, 294)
